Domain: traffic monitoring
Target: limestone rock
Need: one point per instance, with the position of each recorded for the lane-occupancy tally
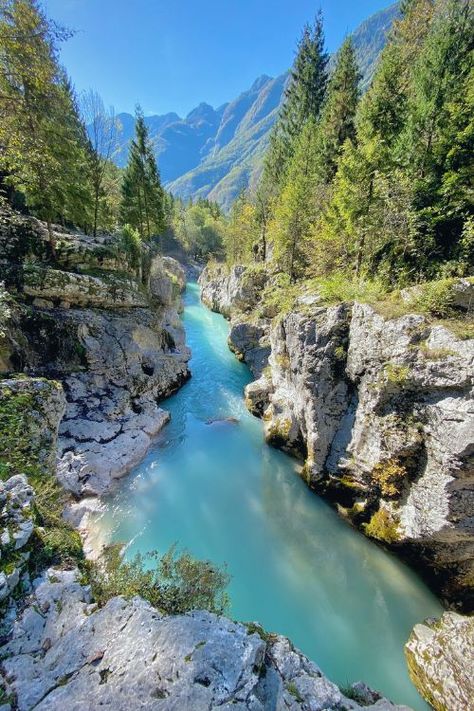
(49, 286)
(65, 653)
(239, 289)
(16, 527)
(381, 409)
(440, 656)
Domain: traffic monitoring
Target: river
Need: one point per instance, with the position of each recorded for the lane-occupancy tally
(297, 568)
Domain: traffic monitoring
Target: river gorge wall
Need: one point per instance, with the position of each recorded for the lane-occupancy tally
(87, 351)
(379, 408)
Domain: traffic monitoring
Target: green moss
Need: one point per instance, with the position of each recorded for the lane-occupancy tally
(390, 476)
(383, 527)
(397, 374)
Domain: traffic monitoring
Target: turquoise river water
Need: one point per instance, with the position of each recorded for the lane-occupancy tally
(297, 568)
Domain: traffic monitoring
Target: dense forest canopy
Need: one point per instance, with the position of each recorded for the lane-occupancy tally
(367, 186)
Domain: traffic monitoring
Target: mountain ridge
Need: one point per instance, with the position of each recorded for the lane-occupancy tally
(216, 152)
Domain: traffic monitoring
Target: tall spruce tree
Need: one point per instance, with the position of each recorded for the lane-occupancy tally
(142, 194)
(437, 146)
(295, 210)
(369, 193)
(337, 122)
(303, 100)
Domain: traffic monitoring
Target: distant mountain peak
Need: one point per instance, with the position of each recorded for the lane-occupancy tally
(260, 82)
(203, 111)
(216, 153)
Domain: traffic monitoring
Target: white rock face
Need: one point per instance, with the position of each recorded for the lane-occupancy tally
(381, 409)
(68, 289)
(440, 656)
(64, 653)
(16, 527)
(116, 344)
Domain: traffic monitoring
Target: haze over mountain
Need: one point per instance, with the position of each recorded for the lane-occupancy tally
(216, 153)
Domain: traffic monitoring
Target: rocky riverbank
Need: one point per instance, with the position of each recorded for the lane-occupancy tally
(377, 402)
(87, 351)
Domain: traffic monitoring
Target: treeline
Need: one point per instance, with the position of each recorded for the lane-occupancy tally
(50, 163)
(379, 185)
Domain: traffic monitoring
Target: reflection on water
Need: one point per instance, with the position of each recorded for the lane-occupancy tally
(299, 570)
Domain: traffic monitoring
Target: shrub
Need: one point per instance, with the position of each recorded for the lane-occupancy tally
(172, 583)
(390, 476)
(131, 245)
(397, 374)
(433, 298)
(339, 287)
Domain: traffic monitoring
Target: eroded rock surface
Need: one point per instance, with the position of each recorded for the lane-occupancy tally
(440, 656)
(66, 653)
(381, 410)
(114, 342)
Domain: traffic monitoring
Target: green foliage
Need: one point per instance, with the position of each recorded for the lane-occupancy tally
(172, 583)
(143, 203)
(199, 228)
(383, 527)
(339, 287)
(130, 244)
(304, 97)
(397, 374)
(22, 451)
(44, 145)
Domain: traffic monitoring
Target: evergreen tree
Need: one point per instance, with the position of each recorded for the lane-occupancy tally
(304, 97)
(368, 190)
(295, 211)
(437, 145)
(142, 195)
(337, 122)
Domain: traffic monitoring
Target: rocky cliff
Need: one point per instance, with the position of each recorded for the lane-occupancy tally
(60, 649)
(114, 342)
(440, 656)
(64, 652)
(379, 408)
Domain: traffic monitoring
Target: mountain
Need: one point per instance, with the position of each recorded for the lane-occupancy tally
(215, 153)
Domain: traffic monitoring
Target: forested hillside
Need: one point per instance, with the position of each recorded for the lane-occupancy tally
(375, 186)
(215, 153)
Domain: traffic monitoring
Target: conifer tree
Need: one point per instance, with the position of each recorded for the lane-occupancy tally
(437, 146)
(304, 97)
(142, 194)
(337, 122)
(296, 208)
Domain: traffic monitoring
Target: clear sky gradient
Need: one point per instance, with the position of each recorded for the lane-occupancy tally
(170, 55)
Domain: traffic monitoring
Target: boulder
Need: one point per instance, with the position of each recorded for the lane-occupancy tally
(440, 657)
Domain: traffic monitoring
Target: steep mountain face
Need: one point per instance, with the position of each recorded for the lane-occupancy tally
(216, 153)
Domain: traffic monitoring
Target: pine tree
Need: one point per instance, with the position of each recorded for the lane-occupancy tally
(304, 97)
(142, 194)
(337, 122)
(437, 145)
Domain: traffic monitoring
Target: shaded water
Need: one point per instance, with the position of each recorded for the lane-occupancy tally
(296, 567)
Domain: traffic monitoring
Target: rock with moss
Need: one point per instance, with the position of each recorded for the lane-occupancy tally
(66, 289)
(115, 343)
(64, 652)
(440, 657)
(16, 527)
(239, 288)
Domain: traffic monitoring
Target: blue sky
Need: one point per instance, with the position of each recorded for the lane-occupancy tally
(169, 55)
